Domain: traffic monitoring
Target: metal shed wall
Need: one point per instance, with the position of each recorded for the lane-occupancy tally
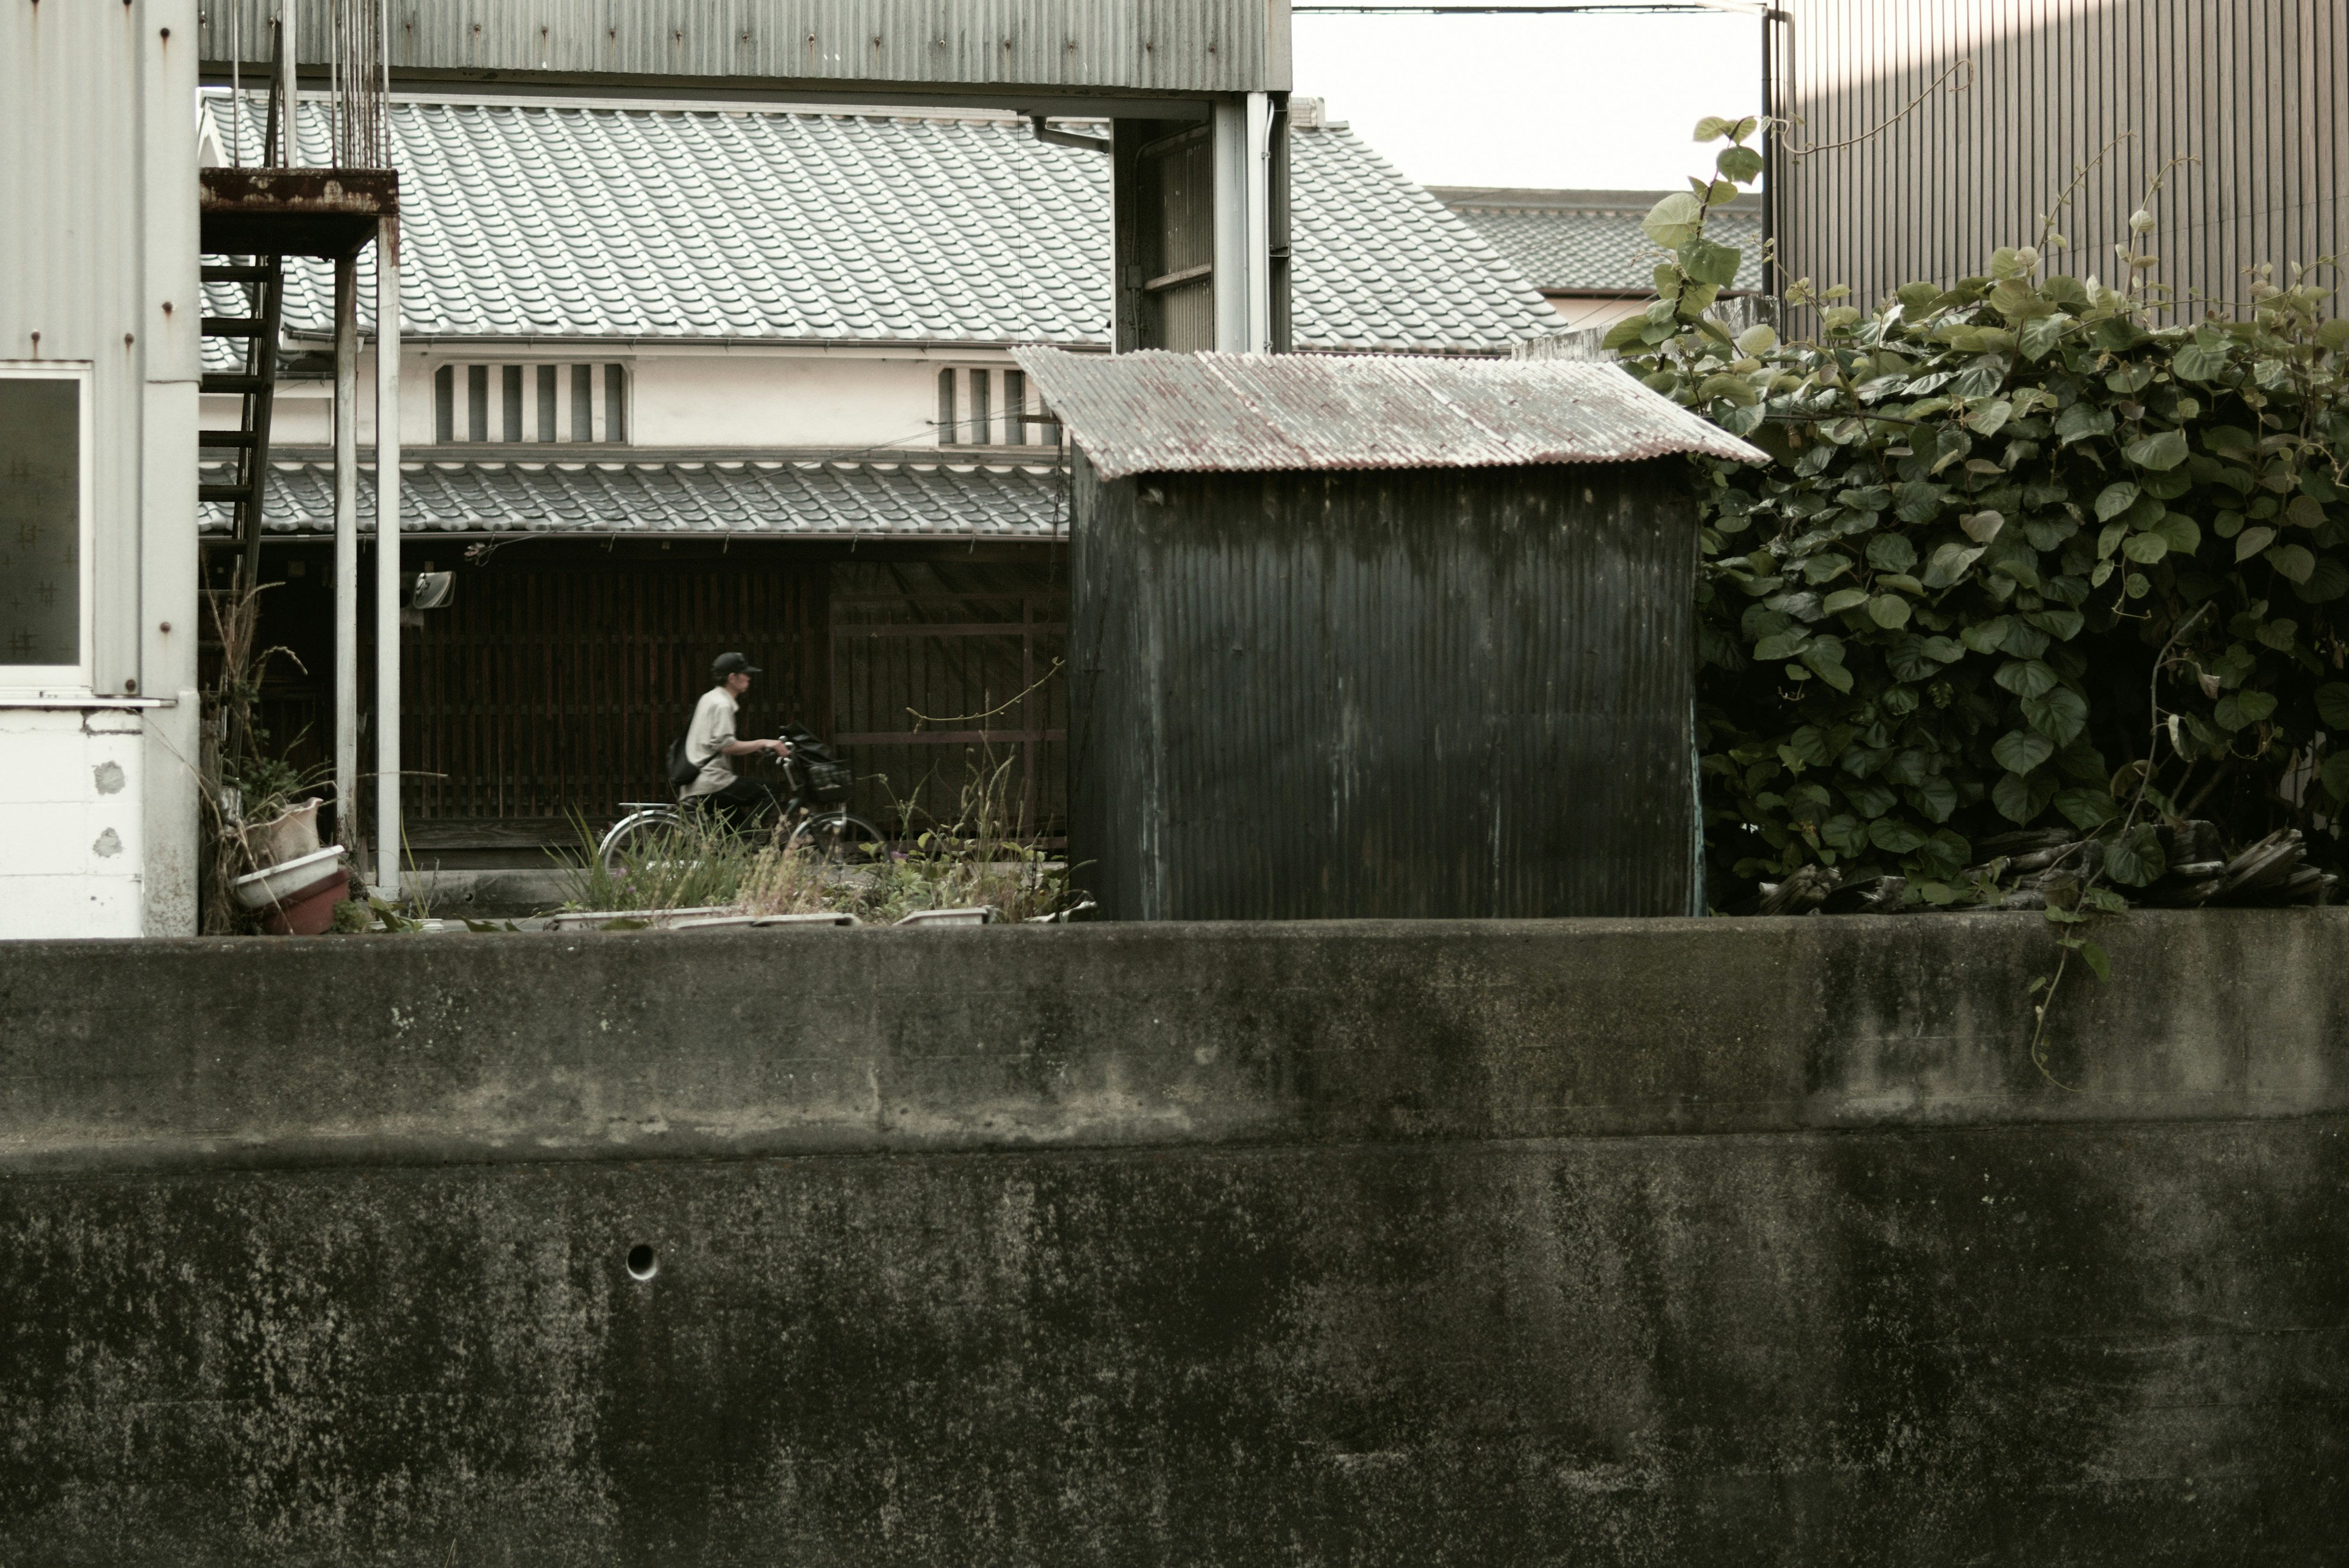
(2251, 88)
(1136, 46)
(98, 275)
(1433, 693)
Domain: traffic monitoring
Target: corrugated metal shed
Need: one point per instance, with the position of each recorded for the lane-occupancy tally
(1153, 45)
(1357, 639)
(1157, 412)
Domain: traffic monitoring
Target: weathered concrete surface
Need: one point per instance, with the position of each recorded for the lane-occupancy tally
(539, 1047)
(1555, 1244)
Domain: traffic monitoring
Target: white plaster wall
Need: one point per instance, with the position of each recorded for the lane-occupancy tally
(681, 397)
(754, 401)
(72, 823)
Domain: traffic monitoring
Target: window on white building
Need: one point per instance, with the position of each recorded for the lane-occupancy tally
(44, 526)
(970, 414)
(530, 404)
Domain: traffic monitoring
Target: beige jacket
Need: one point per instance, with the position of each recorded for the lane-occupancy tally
(712, 727)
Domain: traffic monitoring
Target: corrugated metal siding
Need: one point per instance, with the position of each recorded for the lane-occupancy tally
(97, 230)
(1162, 46)
(1453, 693)
(2252, 89)
(1156, 412)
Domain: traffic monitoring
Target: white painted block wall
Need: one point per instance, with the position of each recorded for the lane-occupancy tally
(72, 818)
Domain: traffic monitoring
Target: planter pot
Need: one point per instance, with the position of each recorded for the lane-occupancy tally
(290, 836)
(296, 897)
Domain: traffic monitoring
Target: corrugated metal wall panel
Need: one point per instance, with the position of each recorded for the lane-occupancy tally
(1447, 693)
(1160, 46)
(2251, 88)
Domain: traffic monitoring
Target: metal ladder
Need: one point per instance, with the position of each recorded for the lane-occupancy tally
(264, 280)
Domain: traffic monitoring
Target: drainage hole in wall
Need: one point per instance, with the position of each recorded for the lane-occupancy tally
(642, 1264)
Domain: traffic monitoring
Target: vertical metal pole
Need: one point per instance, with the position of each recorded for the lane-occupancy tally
(1259, 216)
(1243, 177)
(347, 549)
(286, 84)
(1770, 285)
(387, 557)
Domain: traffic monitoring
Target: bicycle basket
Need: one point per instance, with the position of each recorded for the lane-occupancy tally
(828, 781)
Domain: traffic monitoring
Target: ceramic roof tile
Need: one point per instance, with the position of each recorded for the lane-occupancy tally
(592, 223)
(1565, 245)
(768, 496)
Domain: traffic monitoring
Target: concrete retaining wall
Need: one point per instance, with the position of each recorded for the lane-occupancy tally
(1665, 1242)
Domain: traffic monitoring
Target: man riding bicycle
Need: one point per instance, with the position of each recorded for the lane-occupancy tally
(709, 743)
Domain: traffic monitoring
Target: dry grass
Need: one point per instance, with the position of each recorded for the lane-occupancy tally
(974, 858)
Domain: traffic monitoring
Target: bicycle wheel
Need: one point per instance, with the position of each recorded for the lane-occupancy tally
(838, 838)
(634, 834)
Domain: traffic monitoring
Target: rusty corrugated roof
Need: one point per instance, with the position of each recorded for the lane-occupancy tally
(1156, 412)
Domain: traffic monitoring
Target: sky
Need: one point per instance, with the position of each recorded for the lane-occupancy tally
(1549, 101)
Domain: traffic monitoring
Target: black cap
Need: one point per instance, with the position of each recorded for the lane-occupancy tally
(728, 664)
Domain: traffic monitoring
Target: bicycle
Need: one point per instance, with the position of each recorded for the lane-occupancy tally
(813, 817)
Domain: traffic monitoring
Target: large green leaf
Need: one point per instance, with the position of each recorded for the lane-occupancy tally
(2251, 541)
(2027, 677)
(2241, 709)
(2137, 861)
(2292, 561)
(1935, 798)
(1891, 552)
(2333, 707)
(1895, 836)
(1672, 222)
(2327, 583)
(2080, 421)
(2198, 362)
(2087, 809)
(2115, 499)
(2038, 338)
(2060, 715)
(1888, 610)
(1624, 334)
(2020, 751)
(1908, 660)
(1742, 164)
(2336, 777)
(2145, 549)
(2160, 452)
(1986, 635)
(1709, 263)
(2017, 800)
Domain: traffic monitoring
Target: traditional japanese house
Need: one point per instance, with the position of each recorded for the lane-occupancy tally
(697, 380)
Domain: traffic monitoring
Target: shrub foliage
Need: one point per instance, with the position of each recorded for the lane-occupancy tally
(1936, 615)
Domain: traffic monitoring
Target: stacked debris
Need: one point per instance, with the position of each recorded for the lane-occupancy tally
(2031, 870)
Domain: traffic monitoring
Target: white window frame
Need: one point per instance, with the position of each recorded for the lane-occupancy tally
(51, 681)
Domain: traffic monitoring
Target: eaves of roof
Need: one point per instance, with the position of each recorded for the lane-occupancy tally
(746, 496)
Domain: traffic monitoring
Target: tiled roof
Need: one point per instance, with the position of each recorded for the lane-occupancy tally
(777, 497)
(1569, 240)
(794, 226)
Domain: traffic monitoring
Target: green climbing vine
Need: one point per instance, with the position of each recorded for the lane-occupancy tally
(2023, 557)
